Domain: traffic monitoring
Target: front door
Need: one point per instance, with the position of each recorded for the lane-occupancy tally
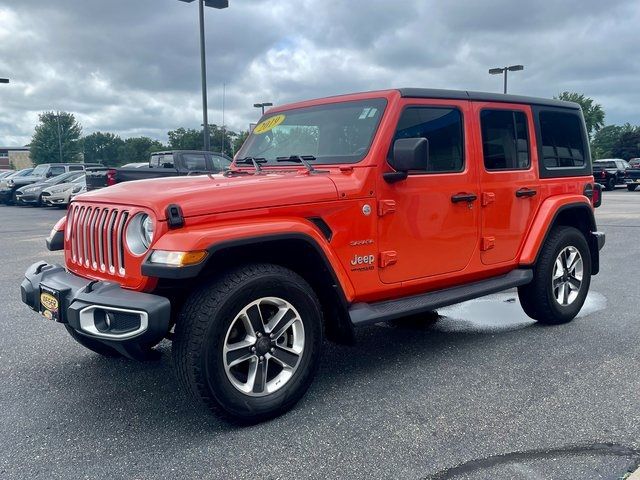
(428, 222)
(510, 195)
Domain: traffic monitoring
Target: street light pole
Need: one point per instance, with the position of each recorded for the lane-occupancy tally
(219, 4)
(59, 136)
(505, 70)
(262, 105)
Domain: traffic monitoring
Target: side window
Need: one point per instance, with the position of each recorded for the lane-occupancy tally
(155, 161)
(74, 168)
(166, 161)
(562, 140)
(194, 161)
(443, 128)
(505, 142)
(56, 170)
(219, 163)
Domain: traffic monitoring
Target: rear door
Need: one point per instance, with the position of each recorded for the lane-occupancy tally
(425, 229)
(508, 176)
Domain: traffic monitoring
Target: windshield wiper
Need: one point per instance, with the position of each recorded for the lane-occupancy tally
(303, 159)
(255, 161)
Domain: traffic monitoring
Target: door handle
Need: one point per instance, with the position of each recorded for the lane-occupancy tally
(464, 197)
(525, 192)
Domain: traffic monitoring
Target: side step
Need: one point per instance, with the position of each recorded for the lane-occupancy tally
(368, 313)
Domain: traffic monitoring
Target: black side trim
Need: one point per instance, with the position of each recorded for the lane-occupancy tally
(322, 226)
(368, 313)
(56, 242)
(175, 219)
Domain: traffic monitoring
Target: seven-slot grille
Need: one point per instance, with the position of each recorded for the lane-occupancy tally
(96, 235)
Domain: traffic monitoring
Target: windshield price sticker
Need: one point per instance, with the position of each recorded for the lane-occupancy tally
(269, 124)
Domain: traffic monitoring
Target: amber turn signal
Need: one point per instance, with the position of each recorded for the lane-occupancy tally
(177, 259)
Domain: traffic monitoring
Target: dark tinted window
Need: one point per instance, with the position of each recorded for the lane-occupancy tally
(505, 143)
(562, 140)
(605, 164)
(75, 167)
(56, 170)
(195, 161)
(443, 128)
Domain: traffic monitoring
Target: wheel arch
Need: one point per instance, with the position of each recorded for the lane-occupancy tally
(572, 212)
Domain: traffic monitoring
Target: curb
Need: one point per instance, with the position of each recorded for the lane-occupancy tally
(635, 475)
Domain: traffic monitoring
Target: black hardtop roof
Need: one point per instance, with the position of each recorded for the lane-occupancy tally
(484, 97)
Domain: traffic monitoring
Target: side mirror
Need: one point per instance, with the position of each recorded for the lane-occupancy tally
(408, 154)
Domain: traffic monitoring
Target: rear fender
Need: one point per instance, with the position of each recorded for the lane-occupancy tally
(549, 215)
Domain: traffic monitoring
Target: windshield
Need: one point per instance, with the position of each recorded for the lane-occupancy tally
(40, 170)
(332, 133)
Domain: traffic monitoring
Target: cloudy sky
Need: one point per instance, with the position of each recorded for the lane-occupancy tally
(132, 66)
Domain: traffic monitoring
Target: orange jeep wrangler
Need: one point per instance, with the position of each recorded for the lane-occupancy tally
(336, 213)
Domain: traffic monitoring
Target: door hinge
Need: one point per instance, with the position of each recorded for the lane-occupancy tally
(488, 198)
(386, 206)
(487, 243)
(388, 258)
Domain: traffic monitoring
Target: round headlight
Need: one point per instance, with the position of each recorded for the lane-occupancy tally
(140, 233)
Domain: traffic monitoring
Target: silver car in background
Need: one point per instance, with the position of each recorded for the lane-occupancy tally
(60, 195)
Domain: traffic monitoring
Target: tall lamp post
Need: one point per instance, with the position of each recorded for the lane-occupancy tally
(499, 71)
(219, 4)
(262, 105)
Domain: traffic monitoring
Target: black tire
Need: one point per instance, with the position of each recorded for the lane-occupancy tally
(14, 199)
(205, 322)
(610, 185)
(632, 188)
(537, 298)
(93, 345)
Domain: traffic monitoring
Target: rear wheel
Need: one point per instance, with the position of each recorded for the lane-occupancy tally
(561, 280)
(610, 184)
(632, 188)
(248, 344)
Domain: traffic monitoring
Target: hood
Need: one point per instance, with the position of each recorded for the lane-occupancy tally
(34, 185)
(60, 186)
(27, 179)
(210, 194)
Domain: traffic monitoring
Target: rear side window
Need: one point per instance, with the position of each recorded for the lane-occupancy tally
(219, 163)
(56, 170)
(505, 142)
(563, 142)
(193, 161)
(73, 168)
(443, 128)
(161, 161)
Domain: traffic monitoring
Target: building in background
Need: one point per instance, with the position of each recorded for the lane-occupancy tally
(15, 157)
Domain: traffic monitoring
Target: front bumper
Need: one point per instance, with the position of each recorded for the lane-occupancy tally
(5, 195)
(55, 199)
(125, 320)
(27, 198)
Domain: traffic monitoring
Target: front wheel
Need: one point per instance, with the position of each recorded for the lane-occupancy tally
(561, 279)
(632, 188)
(248, 344)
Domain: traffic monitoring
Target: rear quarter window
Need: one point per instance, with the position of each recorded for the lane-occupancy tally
(563, 150)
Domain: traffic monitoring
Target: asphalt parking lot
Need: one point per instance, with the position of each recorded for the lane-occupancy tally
(484, 393)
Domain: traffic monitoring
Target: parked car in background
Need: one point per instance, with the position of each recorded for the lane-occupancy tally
(161, 164)
(634, 163)
(41, 173)
(6, 173)
(78, 190)
(610, 172)
(60, 195)
(32, 194)
(5, 191)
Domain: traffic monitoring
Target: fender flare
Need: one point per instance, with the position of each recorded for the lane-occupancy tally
(221, 237)
(546, 219)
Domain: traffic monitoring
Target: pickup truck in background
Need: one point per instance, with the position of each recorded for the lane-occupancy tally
(632, 175)
(610, 172)
(161, 164)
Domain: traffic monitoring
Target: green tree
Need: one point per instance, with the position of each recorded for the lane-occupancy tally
(593, 112)
(102, 148)
(604, 141)
(628, 145)
(185, 139)
(56, 133)
(239, 140)
(139, 149)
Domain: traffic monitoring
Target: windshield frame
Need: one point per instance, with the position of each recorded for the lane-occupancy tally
(326, 160)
